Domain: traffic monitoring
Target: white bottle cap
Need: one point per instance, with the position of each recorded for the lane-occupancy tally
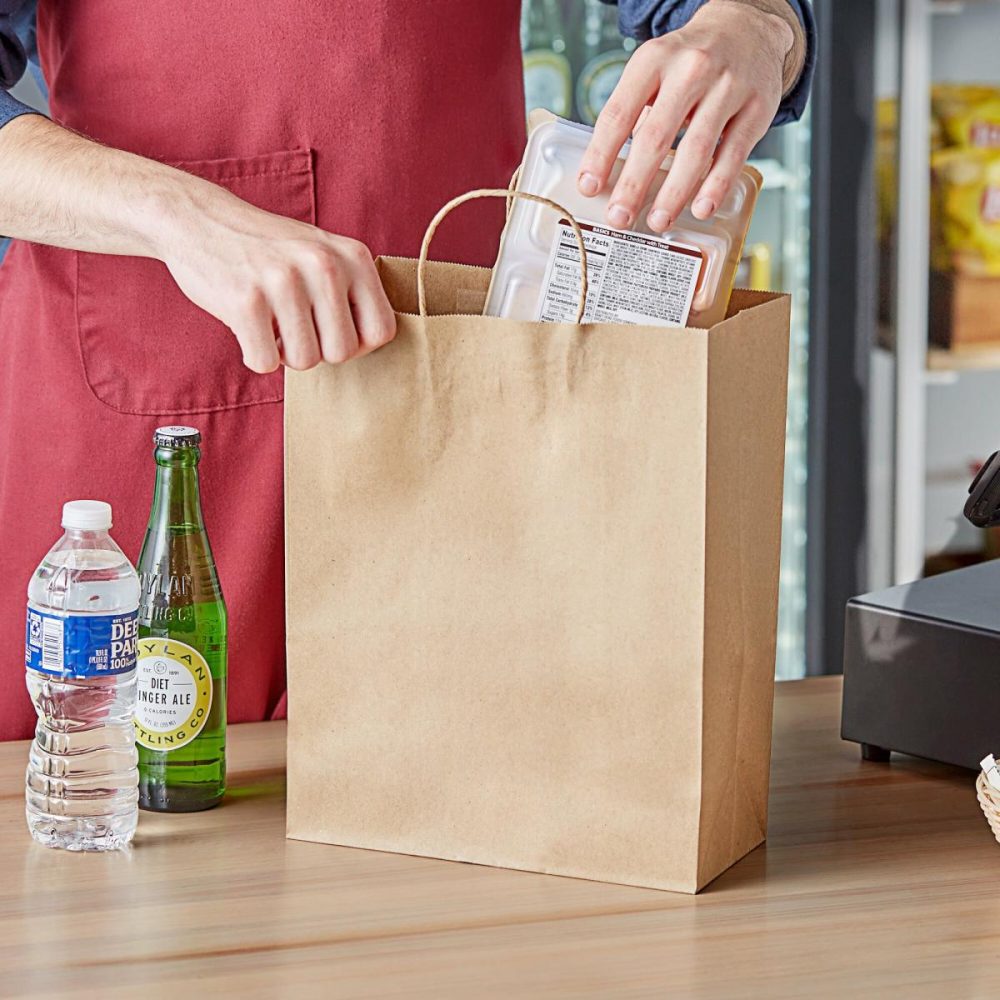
(87, 515)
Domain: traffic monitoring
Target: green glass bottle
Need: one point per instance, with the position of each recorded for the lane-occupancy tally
(604, 54)
(548, 79)
(180, 718)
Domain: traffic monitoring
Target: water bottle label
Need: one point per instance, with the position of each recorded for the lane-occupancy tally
(80, 645)
(173, 694)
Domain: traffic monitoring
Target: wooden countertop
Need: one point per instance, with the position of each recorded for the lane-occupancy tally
(876, 880)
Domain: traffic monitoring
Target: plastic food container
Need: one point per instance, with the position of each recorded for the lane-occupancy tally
(683, 277)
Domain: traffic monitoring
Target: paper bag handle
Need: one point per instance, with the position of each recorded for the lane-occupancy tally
(515, 179)
(500, 193)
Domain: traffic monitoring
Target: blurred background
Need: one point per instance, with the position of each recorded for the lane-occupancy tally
(881, 215)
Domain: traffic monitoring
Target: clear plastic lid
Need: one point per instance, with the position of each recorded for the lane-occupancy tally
(523, 274)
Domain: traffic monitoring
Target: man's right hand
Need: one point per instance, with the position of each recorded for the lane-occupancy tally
(291, 293)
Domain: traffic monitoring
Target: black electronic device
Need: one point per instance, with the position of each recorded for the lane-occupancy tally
(922, 660)
(922, 668)
(983, 506)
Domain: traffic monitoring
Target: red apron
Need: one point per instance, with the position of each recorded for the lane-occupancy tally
(361, 118)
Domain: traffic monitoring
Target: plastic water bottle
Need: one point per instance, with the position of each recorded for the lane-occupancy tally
(80, 656)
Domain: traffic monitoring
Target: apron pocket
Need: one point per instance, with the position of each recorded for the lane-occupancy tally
(146, 349)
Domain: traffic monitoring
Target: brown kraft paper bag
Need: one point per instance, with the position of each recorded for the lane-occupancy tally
(532, 588)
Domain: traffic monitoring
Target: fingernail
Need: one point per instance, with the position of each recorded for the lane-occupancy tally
(703, 207)
(618, 216)
(658, 221)
(588, 184)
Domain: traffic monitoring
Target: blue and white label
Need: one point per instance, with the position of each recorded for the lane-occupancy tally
(80, 645)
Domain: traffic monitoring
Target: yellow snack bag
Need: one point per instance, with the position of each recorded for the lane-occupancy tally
(965, 209)
(968, 115)
(886, 141)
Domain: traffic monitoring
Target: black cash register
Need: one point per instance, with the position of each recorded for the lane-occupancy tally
(922, 660)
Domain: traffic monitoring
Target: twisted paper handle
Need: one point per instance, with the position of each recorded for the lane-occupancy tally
(499, 193)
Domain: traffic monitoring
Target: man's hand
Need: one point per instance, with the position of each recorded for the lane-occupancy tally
(721, 74)
(291, 293)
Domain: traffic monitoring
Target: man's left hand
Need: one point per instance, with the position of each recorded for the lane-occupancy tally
(721, 75)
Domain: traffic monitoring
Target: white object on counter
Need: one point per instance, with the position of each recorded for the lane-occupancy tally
(989, 766)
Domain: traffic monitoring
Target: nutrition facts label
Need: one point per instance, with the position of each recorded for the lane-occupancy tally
(632, 278)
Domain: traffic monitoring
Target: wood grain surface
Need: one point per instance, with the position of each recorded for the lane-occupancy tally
(876, 881)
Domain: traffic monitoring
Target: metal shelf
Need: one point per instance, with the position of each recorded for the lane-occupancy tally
(943, 361)
(967, 359)
(957, 6)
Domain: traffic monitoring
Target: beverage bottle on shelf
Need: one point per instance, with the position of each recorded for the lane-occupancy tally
(754, 270)
(605, 54)
(80, 656)
(548, 78)
(180, 715)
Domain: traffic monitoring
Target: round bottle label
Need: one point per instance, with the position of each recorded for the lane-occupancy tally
(548, 81)
(173, 694)
(597, 82)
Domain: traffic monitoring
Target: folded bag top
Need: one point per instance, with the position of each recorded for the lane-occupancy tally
(532, 587)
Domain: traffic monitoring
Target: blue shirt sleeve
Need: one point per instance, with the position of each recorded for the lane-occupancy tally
(16, 35)
(645, 19)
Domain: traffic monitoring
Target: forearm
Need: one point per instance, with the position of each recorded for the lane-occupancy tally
(61, 189)
(256, 272)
